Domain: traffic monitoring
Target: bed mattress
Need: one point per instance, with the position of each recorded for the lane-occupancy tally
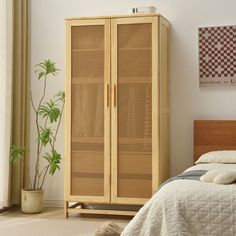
(188, 208)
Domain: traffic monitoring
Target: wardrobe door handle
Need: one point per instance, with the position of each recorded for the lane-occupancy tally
(108, 95)
(115, 95)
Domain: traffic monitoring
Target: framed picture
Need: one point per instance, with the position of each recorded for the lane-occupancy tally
(217, 56)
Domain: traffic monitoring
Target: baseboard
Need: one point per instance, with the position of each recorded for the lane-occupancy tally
(53, 203)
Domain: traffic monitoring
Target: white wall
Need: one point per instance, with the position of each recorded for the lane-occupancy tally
(187, 100)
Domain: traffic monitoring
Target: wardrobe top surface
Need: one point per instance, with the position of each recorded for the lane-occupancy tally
(114, 16)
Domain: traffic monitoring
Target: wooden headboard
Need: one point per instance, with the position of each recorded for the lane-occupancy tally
(213, 135)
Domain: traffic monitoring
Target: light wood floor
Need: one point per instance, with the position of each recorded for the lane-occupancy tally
(52, 222)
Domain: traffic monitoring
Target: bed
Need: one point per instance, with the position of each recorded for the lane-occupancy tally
(192, 207)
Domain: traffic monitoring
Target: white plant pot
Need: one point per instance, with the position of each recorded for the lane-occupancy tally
(31, 201)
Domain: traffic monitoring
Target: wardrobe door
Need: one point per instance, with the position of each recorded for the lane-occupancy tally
(133, 72)
(88, 114)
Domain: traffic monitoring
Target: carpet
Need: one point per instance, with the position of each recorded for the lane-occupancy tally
(10, 226)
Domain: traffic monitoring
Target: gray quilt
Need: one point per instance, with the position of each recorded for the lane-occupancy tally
(191, 175)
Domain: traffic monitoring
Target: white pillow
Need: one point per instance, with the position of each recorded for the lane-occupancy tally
(210, 175)
(226, 156)
(226, 177)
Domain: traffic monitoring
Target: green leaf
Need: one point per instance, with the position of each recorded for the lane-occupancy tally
(16, 153)
(41, 74)
(45, 68)
(45, 136)
(47, 157)
(60, 96)
(54, 159)
(54, 114)
(50, 110)
(43, 110)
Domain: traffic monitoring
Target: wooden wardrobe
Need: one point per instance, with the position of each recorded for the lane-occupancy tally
(116, 126)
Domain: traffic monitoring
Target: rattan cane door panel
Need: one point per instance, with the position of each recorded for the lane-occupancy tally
(87, 110)
(134, 136)
(134, 110)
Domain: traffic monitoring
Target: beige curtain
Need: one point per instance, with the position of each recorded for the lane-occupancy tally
(20, 96)
(5, 101)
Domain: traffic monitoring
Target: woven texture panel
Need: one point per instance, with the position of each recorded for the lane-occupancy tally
(134, 110)
(87, 106)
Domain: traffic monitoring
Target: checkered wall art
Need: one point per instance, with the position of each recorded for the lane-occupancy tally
(217, 56)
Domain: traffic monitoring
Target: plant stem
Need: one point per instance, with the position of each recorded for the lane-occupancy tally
(52, 146)
(37, 186)
(45, 173)
(32, 102)
(37, 125)
(58, 125)
(45, 124)
(27, 167)
(42, 171)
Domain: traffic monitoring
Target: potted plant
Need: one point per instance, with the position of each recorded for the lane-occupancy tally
(48, 116)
